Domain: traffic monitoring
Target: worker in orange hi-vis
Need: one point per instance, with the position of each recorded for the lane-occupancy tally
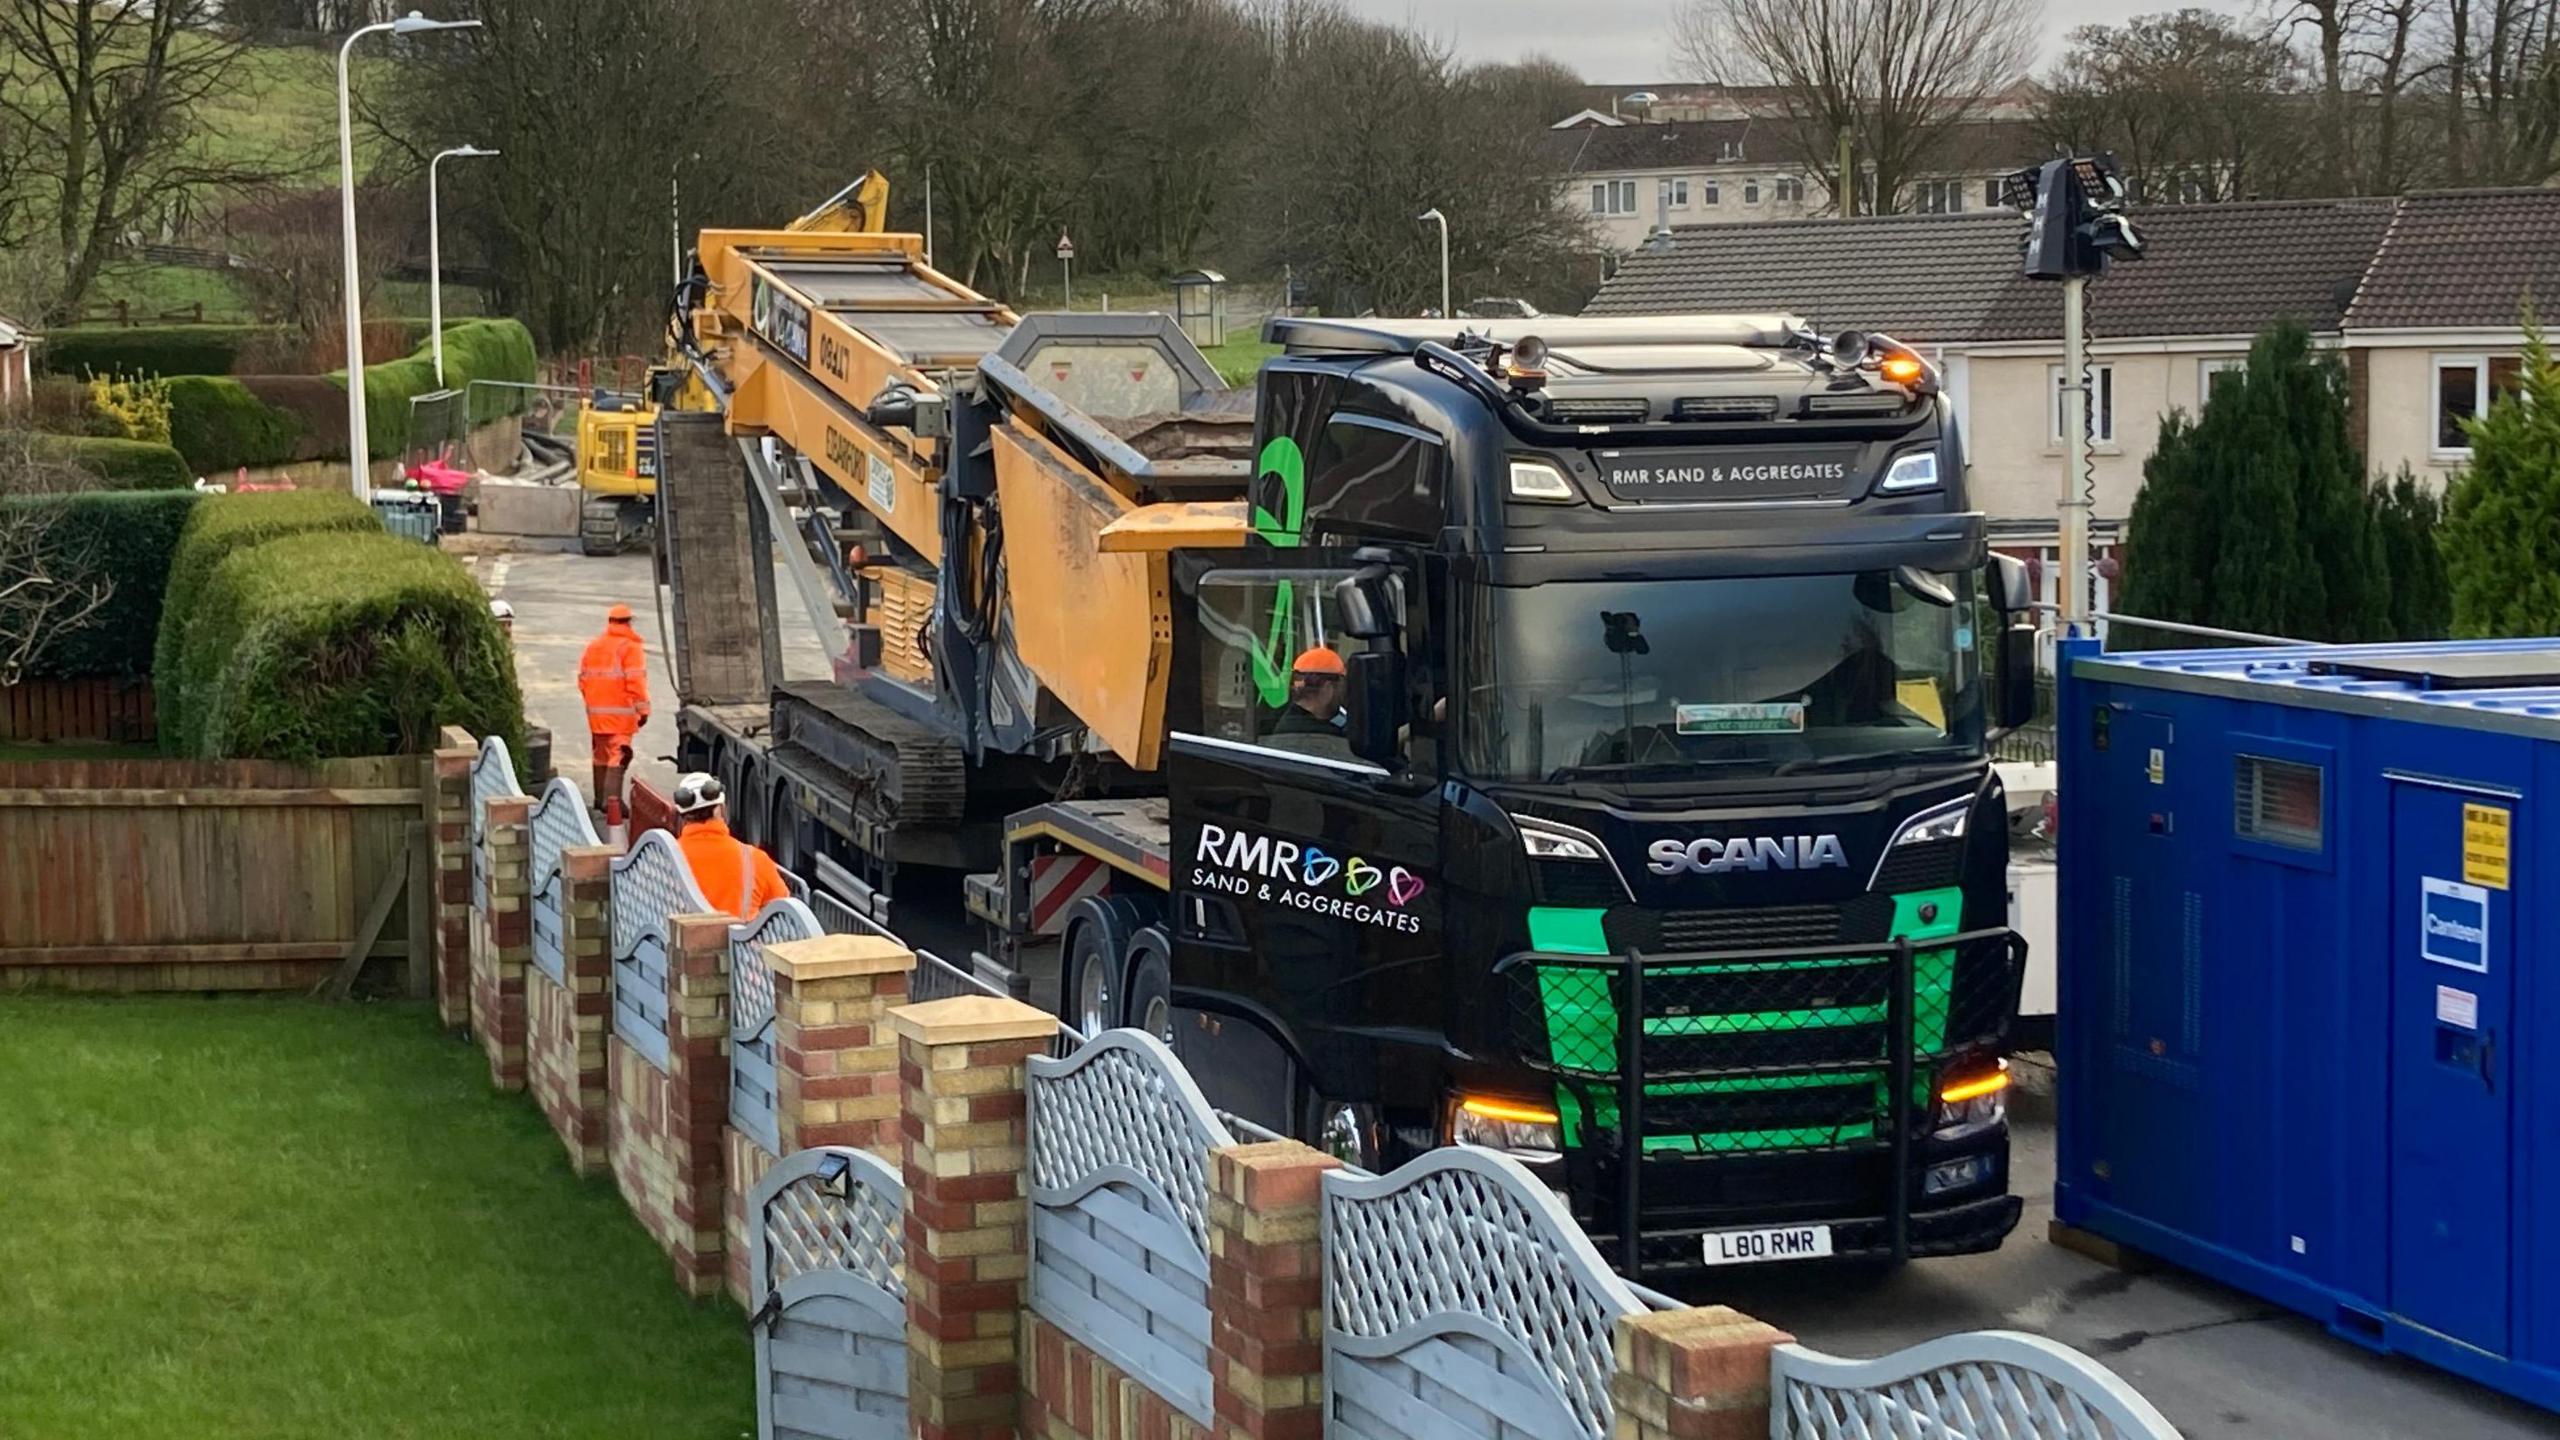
(613, 678)
(734, 875)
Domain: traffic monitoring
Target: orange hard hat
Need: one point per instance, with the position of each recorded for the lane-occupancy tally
(1317, 660)
(618, 612)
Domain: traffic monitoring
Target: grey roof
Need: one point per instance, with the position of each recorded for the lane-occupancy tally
(1953, 279)
(2463, 258)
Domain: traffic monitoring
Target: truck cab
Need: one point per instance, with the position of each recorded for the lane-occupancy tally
(1652, 799)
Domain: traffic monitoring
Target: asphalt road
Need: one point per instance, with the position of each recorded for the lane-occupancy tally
(2220, 1364)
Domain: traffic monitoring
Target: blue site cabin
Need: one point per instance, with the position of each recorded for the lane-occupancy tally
(2310, 1012)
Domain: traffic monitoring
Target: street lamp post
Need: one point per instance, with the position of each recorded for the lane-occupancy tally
(1433, 214)
(435, 253)
(412, 23)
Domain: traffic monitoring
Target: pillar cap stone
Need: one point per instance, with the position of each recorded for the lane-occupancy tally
(971, 1020)
(831, 957)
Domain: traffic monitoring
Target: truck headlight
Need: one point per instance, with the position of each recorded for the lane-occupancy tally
(1523, 1131)
(1939, 822)
(1916, 471)
(1545, 844)
(1972, 1101)
(1538, 480)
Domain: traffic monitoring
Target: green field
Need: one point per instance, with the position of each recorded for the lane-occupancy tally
(276, 1218)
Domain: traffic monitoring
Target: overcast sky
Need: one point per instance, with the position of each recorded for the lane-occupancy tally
(1617, 42)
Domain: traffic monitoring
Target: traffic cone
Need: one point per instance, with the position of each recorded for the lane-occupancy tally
(616, 832)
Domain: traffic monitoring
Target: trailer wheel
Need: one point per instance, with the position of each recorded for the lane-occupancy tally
(1099, 929)
(1150, 1002)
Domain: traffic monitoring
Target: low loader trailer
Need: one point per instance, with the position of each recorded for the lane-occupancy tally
(1566, 737)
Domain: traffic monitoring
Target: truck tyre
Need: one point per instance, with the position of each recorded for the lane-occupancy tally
(1149, 1005)
(1099, 930)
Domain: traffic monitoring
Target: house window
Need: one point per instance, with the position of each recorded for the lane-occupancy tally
(2102, 404)
(1991, 193)
(2465, 384)
(1675, 192)
(1788, 189)
(2215, 371)
(1728, 149)
(1941, 197)
(1714, 192)
(1614, 197)
(1751, 192)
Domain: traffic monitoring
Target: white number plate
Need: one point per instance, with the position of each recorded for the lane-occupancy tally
(1777, 1242)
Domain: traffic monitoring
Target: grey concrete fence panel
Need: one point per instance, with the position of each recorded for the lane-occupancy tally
(651, 886)
(1120, 1140)
(1462, 1302)
(560, 823)
(754, 1078)
(1987, 1385)
(493, 777)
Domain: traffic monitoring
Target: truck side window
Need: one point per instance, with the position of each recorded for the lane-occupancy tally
(1272, 661)
(1373, 477)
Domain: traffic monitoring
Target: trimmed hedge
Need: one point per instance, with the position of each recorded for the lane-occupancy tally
(220, 527)
(151, 351)
(321, 645)
(124, 464)
(221, 423)
(131, 539)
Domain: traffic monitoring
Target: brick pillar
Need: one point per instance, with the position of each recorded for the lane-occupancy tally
(837, 1076)
(1698, 1374)
(566, 1024)
(835, 1062)
(665, 1129)
(1266, 1290)
(502, 942)
(962, 1082)
(449, 832)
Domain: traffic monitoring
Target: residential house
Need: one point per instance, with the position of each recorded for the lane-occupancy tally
(17, 365)
(2420, 295)
(1738, 159)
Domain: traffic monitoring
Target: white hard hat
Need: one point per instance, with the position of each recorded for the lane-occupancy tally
(698, 792)
(500, 609)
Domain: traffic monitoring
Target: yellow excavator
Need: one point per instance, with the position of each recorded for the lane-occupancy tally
(618, 433)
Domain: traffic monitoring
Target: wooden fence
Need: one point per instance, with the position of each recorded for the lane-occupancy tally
(44, 711)
(138, 875)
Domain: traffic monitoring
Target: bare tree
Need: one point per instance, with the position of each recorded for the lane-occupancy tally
(49, 584)
(2197, 106)
(2501, 106)
(110, 95)
(1894, 76)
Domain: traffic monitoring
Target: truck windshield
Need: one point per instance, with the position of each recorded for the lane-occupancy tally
(1650, 679)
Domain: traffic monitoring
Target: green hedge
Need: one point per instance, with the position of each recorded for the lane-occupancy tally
(321, 645)
(220, 527)
(131, 540)
(220, 423)
(124, 464)
(151, 351)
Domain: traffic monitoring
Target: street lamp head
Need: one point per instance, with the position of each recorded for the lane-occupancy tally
(467, 152)
(1432, 214)
(414, 23)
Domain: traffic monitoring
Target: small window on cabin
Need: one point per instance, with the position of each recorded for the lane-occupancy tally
(1372, 478)
(2276, 802)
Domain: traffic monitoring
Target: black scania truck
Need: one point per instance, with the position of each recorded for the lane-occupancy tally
(1662, 850)
(1580, 752)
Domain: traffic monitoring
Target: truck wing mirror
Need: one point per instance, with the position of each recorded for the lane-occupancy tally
(1366, 600)
(1374, 705)
(2009, 584)
(2017, 702)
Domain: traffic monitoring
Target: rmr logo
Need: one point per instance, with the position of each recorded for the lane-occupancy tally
(1768, 852)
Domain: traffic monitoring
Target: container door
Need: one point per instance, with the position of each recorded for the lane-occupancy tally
(2452, 978)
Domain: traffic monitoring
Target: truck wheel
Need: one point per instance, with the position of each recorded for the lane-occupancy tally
(1098, 935)
(1149, 1006)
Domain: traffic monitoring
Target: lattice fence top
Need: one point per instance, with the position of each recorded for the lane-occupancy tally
(1986, 1385)
(750, 975)
(1470, 1233)
(831, 1208)
(493, 777)
(650, 884)
(560, 822)
(1122, 1102)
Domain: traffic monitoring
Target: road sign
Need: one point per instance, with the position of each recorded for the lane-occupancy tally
(1066, 247)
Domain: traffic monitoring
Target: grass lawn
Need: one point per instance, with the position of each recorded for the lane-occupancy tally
(1242, 355)
(275, 1218)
